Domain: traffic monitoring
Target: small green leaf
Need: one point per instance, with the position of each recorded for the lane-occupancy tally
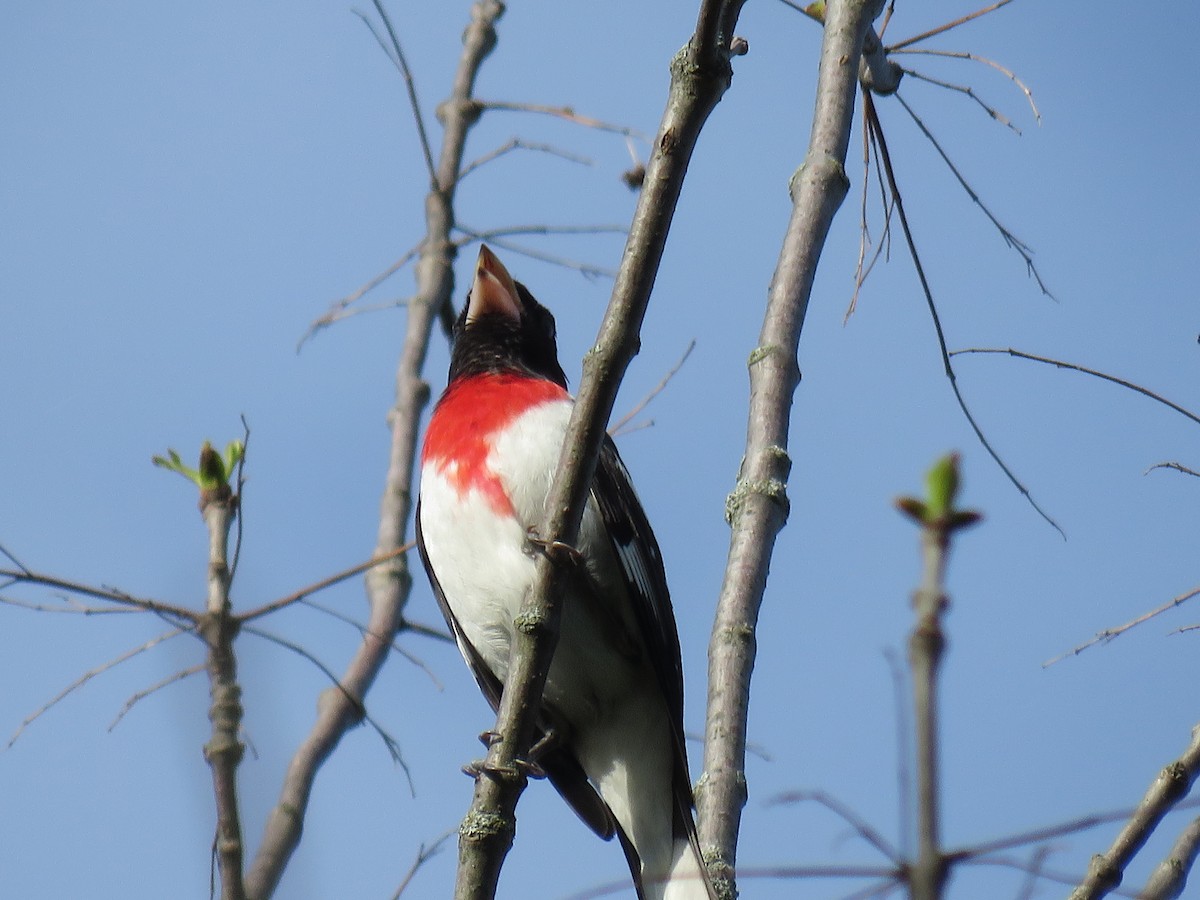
(942, 483)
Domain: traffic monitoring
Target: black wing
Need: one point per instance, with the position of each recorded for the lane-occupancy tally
(559, 764)
(636, 548)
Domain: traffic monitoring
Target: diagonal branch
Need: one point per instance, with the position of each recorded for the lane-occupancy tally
(758, 505)
(339, 708)
(1010, 239)
(700, 75)
(1168, 788)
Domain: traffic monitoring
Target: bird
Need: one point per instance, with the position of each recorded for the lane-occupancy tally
(611, 720)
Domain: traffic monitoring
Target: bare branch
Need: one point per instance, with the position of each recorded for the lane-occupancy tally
(954, 54)
(1046, 833)
(337, 311)
(157, 686)
(942, 29)
(586, 269)
(937, 323)
(88, 676)
(392, 745)
(519, 144)
(401, 62)
(861, 826)
(363, 630)
(1167, 789)
(424, 854)
(1110, 634)
(24, 576)
(73, 607)
(339, 709)
(1168, 881)
(757, 508)
(1009, 238)
(224, 750)
(969, 92)
(566, 113)
(618, 427)
(4, 551)
(318, 586)
(700, 74)
(1178, 467)
(1059, 364)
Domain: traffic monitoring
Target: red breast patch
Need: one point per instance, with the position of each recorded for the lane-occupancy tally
(466, 420)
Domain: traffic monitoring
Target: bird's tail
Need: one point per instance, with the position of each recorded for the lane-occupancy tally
(687, 879)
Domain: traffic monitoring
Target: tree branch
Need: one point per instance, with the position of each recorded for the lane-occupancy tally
(757, 508)
(224, 749)
(388, 585)
(700, 74)
(1171, 786)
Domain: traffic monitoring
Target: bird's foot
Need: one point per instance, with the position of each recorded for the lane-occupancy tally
(519, 768)
(557, 551)
(528, 766)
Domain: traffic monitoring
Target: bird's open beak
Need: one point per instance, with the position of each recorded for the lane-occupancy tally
(493, 290)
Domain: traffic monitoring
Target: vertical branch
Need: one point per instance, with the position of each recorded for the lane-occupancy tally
(926, 646)
(223, 750)
(758, 506)
(939, 520)
(700, 75)
(388, 585)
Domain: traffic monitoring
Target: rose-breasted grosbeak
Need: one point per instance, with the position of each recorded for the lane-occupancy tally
(613, 702)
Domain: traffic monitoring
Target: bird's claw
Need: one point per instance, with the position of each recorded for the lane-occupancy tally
(520, 767)
(557, 551)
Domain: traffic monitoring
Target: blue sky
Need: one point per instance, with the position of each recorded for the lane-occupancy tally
(185, 188)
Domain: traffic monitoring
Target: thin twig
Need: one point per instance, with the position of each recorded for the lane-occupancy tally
(88, 676)
(317, 586)
(586, 269)
(864, 828)
(337, 310)
(1060, 364)
(519, 144)
(969, 92)
(401, 62)
(113, 595)
(973, 57)
(157, 686)
(424, 854)
(1048, 832)
(1110, 634)
(1023, 249)
(1042, 874)
(937, 324)
(942, 29)
(567, 113)
(364, 631)
(1178, 467)
(392, 745)
(74, 607)
(7, 554)
(618, 427)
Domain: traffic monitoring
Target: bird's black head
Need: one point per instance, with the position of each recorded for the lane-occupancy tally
(503, 329)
